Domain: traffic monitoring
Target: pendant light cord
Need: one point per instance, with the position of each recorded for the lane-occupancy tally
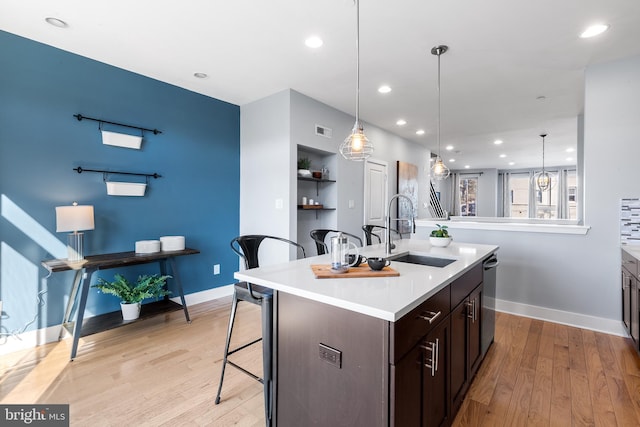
(543, 136)
(438, 127)
(357, 63)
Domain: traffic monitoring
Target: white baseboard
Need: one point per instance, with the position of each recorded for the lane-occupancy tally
(29, 339)
(207, 295)
(598, 324)
(42, 336)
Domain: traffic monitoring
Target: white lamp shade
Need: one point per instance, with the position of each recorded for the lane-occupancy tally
(74, 218)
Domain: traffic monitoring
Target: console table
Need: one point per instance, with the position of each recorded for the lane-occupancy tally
(84, 270)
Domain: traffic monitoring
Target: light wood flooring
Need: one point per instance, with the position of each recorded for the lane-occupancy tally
(164, 372)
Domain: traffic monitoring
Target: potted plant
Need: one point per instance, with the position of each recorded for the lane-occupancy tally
(440, 237)
(131, 295)
(303, 167)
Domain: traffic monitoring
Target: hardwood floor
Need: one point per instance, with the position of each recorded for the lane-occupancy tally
(545, 374)
(164, 372)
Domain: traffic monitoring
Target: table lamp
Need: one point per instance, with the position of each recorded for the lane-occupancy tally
(74, 218)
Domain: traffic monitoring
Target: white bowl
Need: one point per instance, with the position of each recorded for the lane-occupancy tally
(172, 243)
(304, 172)
(441, 242)
(147, 246)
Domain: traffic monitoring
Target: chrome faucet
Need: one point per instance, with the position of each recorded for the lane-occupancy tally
(388, 245)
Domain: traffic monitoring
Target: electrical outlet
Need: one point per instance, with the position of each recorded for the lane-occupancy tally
(216, 269)
(330, 355)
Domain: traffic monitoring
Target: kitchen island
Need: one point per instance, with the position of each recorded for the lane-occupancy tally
(376, 351)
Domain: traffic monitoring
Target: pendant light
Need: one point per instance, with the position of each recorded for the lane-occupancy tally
(357, 146)
(543, 179)
(439, 170)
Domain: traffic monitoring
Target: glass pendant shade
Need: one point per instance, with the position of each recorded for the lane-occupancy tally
(543, 180)
(439, 170)
(356, 146)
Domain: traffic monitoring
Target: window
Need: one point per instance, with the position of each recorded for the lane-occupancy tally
(518, 195)
(468, 191)
(523, 199)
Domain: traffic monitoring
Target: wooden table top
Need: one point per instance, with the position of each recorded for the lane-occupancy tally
(117, 259)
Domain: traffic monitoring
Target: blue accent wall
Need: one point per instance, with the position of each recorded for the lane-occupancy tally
(197, 154)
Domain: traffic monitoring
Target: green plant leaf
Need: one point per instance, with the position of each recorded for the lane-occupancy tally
(145, 287)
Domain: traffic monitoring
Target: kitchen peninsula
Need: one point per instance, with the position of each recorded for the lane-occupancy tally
(381, 351)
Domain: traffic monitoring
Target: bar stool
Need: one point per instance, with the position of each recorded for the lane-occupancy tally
(319, 235)
(247, 247)
(370, 231)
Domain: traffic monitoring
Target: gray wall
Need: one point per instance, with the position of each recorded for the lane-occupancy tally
(264, 152)
(271, 131)
(575, 273)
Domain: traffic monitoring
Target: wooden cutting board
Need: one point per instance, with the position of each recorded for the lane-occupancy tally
(323, 271)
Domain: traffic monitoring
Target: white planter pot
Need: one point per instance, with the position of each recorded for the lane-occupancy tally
(130, 311)
(441, 242)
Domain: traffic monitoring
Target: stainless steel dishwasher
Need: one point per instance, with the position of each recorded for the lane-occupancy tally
(489, 265)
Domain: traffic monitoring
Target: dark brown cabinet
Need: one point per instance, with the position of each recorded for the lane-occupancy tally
(630, 297)
(420, 381)
(340, 368)
(435, 374)
(466, 354)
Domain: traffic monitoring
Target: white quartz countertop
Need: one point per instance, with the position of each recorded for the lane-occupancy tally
(387, 298)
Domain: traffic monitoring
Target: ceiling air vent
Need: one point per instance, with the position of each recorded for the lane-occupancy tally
(323, 131)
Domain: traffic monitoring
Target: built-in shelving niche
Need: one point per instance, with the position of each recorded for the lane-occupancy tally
(322, 190)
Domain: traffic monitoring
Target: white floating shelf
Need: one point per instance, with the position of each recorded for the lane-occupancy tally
(121, 140)
(125, 188)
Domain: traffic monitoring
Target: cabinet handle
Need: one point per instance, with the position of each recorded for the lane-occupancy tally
(430, 316)
(432, 363)
(471, 305)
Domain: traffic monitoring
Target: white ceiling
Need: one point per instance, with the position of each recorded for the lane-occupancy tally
(503, 55)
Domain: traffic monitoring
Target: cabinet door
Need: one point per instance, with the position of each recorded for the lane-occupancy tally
(406, 379)
(436, 371)
(459, 354)
(626, 301)
(635, 314)
(474, 319)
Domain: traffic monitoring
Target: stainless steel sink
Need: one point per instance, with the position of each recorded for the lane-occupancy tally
(422, 260)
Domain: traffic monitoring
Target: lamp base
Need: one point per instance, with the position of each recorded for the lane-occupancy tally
(75, 247)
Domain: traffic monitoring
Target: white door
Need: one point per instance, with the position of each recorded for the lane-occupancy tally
(375, 191)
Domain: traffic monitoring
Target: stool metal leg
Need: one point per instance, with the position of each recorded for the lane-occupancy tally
(234, 307)
(267, 342)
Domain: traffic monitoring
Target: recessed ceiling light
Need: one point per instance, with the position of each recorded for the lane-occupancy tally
(467, 166)
(498, 141)
(541, 98)
(502, 156)
(569, 159)
(512, 163)
(313, 42)
(570, 150)
(200, 75)
(594, 30)
(449, 147)
(420, 132)
(401, 122)
(384, 89)
(452, 160)
(56, 22)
